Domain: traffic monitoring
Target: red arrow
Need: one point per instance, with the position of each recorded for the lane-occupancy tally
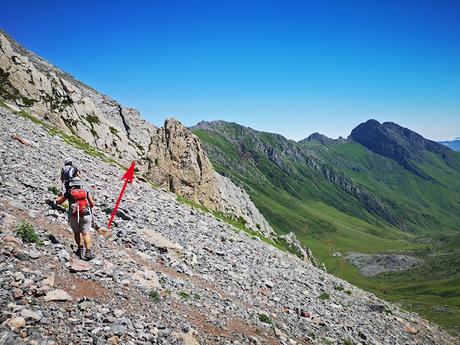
(128, 177)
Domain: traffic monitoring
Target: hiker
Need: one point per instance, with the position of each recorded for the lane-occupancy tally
(68, 172)
(80, 216)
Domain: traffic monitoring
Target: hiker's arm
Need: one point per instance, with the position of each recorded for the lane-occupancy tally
(60, 199)
(79, 174)
(91, 201)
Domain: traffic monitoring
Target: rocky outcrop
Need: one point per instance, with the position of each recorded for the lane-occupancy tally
(55, 96)
(170, 156)
(232, 195)
(176, 160)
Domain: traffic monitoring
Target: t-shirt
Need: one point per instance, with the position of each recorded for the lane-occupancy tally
(68, 172)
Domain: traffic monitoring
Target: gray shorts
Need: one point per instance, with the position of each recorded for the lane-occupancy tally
(84, 225)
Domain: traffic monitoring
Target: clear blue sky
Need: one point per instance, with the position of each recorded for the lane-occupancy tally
(291, 67)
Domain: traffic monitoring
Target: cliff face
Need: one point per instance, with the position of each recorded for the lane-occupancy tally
(170, 156)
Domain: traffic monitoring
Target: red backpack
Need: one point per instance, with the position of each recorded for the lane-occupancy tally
(79, 202)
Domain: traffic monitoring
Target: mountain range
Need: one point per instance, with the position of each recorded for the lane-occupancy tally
(384, 189)
(378, 209)
(453, 144)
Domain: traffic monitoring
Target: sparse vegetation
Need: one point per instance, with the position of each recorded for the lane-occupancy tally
(92, 119)
(184, 295)
(27, 233)
(324, 296)
(73, 140)
(265, 318)
(53, 189)
(338, 288)
(154, 295)
(348, 292)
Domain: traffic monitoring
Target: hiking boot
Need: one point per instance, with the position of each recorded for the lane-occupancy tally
(80, 252)
(89, 255)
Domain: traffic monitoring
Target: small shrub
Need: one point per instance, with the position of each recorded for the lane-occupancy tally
(338, 288)
(155, 296)
(53, 189)
(91, 118)
(324, 296)
(348, 292)
(388, 311)
(196, 297)
(348, 342)
(27, 233)
(265, 318)
(184, 295)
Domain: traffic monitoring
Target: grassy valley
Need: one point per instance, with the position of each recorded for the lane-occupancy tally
(341, 197)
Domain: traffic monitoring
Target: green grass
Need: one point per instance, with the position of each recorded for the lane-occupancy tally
(154, 295)
(73, 140)
(295, 195)
(324, 296)
(27, 233)
(184, 295)
(265, 319)
(53, 189)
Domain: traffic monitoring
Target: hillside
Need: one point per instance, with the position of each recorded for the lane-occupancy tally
(385, 189)
(168, 274)
(170, 156)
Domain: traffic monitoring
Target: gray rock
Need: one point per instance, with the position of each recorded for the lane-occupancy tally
(63, 255)
(57, 295)
(29, 314)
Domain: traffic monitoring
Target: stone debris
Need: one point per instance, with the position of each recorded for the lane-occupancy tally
(133, 292)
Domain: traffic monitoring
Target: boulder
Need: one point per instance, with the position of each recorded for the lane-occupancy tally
(17, 323)
(159, 241)
(77, 265)
(57, 295)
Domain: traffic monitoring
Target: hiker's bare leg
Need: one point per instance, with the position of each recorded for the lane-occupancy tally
(87, 240)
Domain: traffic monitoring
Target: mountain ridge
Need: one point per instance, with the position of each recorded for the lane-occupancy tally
(328, 193)
(169, 156)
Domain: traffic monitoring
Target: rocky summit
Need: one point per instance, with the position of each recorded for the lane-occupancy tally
(166, 273)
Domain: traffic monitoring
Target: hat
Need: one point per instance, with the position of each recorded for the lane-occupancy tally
(68, 160)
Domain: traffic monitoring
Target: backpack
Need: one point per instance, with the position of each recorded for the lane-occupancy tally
(78, 202)
(68, 172)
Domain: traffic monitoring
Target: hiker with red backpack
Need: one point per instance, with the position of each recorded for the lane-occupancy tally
(80, 216)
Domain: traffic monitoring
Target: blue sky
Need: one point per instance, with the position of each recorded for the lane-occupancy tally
(291, 67)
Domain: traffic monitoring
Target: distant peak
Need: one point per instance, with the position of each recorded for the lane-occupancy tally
(318, 137)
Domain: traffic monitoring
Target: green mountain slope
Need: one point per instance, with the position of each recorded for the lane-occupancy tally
(386, 189)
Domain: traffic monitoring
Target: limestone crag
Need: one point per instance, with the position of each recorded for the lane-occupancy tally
(166, 273)
(171, 156)
(178, 152)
